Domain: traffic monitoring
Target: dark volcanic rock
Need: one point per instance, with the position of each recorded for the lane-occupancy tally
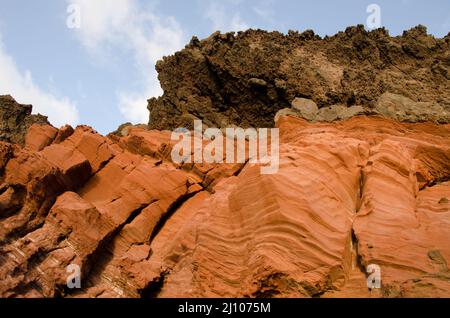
(245, 78)
(15, 119)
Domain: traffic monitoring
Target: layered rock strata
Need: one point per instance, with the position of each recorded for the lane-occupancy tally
(348, 194)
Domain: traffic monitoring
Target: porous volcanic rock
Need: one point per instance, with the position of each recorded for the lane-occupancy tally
(244, 79)
(15, 119)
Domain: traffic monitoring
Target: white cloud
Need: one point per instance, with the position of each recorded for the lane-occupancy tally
(221, 20)
(134, 105)
(60, 110)
(127, 25)
(100, 20)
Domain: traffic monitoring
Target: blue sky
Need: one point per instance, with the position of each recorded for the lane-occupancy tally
(102, 73)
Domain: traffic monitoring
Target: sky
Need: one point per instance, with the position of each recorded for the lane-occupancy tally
(92, 61)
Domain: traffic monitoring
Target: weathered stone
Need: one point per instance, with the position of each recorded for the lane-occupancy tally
(286, 112)
(40, 136)
(354, 188)
(306, 108)
(402, 108)
(63, 133)
(339, 112)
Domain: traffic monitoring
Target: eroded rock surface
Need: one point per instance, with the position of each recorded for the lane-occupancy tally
(74, 197)
(244, 79)
(348, 194)
(363, 180)
(364, 191)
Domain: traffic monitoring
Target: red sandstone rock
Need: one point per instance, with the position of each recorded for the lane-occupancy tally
(40, 136)
(290, 234)
(63, 133)
(363, 191)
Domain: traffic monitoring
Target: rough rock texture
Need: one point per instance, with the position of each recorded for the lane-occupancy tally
(245, 78)
(76, 197)
(367, 190)
(307, 109)
(15, 119)
(363, 180)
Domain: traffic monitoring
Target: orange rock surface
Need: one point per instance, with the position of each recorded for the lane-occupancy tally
(365, 191)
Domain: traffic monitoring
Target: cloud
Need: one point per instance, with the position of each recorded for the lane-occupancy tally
(133, 105)
(60, 110)
(128, 25)
(221, 20)
(100, 21)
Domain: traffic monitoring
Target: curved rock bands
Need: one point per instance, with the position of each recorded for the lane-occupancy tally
(367, 190)
(256, 226)
(75, 197)
(290, 234)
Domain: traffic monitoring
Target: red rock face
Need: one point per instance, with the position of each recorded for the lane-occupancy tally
(365, 191)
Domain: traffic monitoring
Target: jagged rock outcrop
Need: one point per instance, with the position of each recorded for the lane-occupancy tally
(363, 179)
(244, 79)
(15, 119)
(348, 194)
(73, 196)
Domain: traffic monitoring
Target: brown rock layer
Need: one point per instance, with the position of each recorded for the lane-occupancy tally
(244, 79)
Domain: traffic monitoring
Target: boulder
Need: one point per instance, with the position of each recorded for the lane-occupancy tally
(402, 108)
(306, 108)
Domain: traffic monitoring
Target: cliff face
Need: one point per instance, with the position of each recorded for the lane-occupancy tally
(363, 179)
(348, 194)
(245, 78)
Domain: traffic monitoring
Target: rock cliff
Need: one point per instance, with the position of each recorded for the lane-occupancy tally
(348, 194)
(363, 179)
